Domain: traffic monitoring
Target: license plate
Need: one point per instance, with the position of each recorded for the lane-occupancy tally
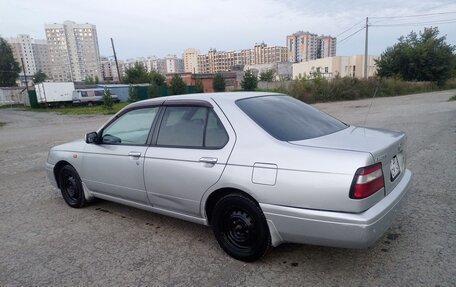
(394, 168)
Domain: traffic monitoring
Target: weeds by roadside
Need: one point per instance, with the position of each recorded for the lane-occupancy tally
(453, 98)
(343, 89)
(2, 124)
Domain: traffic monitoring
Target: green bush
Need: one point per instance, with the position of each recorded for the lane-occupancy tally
(108, 101)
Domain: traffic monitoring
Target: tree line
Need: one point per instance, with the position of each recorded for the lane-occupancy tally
(423, 56)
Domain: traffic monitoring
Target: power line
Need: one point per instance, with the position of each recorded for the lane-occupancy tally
(349, 28)
(411, 16)
(351, 35)
(436, 22)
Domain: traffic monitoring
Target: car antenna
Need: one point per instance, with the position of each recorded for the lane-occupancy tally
(370, 106)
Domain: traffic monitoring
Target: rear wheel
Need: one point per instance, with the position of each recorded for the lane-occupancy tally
(71, 187)
(240, 227)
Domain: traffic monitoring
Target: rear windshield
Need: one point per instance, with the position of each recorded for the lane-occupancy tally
(288, 119)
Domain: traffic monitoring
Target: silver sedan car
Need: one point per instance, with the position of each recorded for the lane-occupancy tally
(259, 168)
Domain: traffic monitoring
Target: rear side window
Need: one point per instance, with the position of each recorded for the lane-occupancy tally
(189, 126)
(288, 119)
(216, 135)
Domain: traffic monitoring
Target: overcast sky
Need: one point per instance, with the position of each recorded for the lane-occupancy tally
(146, 28)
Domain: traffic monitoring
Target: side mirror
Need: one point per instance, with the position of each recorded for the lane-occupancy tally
(91, 137)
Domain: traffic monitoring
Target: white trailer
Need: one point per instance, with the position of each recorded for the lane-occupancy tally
(54, 93)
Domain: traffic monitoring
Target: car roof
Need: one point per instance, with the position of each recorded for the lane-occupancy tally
(233, 96)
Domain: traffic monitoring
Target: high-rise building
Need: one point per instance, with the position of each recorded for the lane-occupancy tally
(174, 64)
(326, 47)
(190, 57)
(73, 51)
(41, 54)
(33, 52)
(306, 46)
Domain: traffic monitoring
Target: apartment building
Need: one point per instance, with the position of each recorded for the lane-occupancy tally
(266, 55)
(33, 52)
(190, 58)
(109, 69)
(306, 46)
(219, 61)
(166, 65)
(326, 47)
(41, 54)
(73, 51)
(174, 64)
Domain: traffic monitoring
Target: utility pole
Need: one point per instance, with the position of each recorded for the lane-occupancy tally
(115, 59)
(25, 76)
(365, 48)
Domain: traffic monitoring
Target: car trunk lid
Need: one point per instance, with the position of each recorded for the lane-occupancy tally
(385, 146)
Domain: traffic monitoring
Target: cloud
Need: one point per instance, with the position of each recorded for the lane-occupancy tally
(144, 28)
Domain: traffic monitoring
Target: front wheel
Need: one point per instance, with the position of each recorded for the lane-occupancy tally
(71, 187)
(240, 227)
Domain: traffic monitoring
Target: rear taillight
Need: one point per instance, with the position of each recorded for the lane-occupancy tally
(368, 180)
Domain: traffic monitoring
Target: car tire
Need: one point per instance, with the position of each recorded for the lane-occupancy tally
(240, 227)
(71, 187)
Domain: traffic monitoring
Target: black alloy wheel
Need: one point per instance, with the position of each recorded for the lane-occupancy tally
(71, 187)
(240, 227)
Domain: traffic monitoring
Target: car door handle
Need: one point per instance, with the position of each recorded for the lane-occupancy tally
(135, 154)
(210, 160)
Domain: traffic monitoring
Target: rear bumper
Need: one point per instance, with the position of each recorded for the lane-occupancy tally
(336, 229)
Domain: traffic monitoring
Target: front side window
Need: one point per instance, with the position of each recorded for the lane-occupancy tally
(132, 128)
(192, 127)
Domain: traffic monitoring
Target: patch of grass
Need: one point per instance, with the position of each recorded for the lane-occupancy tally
(83, 110)
(7, 106)
(2, 124)
(453, 98)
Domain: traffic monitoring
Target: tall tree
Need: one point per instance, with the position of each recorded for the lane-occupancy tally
(419, 57)
(9, 68)
(136, 75)
(152, 90)
(177, 85)
(108, 100)
(133, 94)
(199, 88)
(39, 77)
(89, 80)
(267, 75)
(249, 81)
(219, 83)
(157, 78)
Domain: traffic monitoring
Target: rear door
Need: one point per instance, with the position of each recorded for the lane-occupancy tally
(188, 154)
(114, 167)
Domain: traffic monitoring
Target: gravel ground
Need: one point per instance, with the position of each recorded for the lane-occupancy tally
(44, 242)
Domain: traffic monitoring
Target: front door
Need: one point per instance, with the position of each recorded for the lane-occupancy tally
(114, 167)
(187, 157)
